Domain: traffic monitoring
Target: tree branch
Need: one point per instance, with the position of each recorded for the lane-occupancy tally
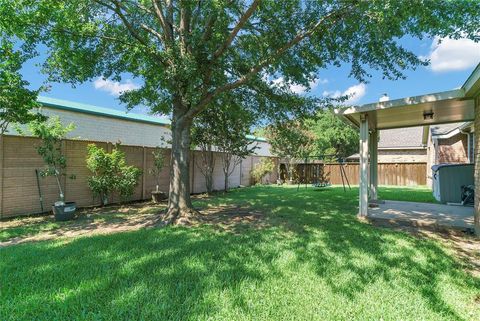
(209, 27)
(153, 32)
(167, 28)
(117, 8)
(185, 16)
(207, 97)
(241, 22)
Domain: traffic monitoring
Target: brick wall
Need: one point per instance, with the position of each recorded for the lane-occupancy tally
(402, 156)
(19, 190)
(453, 149)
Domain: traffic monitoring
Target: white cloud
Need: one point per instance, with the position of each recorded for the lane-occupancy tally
(115, 88)
(354, 93)
(453, 54)
(300, 89)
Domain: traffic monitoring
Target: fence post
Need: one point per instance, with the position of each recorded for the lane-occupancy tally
(144, 172)
(250, 178)
(192, 187)
(241, 162)
(63, 146)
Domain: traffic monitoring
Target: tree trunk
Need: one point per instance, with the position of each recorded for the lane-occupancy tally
(226, 168)
(180, 209)
(209, 167)
(226, 182)
(209, 182)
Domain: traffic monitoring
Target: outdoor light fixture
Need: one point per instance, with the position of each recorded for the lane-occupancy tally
(428, 115)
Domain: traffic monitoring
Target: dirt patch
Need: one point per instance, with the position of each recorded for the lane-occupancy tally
(230, 218)
(93, 221)
(114, 219)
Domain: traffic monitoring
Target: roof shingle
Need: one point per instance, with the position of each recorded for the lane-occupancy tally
(401, 137)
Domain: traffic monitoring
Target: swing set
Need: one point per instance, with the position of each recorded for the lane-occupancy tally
(319, 178)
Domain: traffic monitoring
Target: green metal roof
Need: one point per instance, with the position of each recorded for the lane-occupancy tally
(255, 138)
(112, 113)
(100, 111)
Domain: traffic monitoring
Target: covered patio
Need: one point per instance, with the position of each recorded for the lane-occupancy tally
(458, 105)
(437, 216)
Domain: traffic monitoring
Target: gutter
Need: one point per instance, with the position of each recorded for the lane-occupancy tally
(472, 84)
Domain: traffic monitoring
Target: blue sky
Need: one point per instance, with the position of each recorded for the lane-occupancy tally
(452, 61)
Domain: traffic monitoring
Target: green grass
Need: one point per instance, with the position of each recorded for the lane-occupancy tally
(310, 259)
(420, 194)
(30, 227)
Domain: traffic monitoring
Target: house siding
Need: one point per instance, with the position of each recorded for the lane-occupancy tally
(90, 127)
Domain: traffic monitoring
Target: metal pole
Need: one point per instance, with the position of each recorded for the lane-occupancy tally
(39, 190)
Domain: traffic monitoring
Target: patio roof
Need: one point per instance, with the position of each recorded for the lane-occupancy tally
(436, 108)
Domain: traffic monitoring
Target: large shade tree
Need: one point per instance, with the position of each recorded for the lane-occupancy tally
(187, 54)
(334, 138)
(291, 141)
(18, 102)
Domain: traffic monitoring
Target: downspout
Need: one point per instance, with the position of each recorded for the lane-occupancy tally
(468, 144)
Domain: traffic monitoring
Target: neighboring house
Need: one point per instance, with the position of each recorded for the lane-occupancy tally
(402, 145)
(439, 144)
(450, 144)
(110, 125)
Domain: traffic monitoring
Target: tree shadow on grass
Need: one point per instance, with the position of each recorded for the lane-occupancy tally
(182, 273)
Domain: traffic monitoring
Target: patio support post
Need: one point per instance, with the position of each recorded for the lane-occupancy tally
(373, 140)
(363, 197)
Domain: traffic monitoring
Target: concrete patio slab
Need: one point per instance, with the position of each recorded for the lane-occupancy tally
(438, 216)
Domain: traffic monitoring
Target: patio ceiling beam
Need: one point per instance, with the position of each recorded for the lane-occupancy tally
(407, 101)
(440, 108)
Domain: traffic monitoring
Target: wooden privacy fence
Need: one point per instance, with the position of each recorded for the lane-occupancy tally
(19, 193)
(401, 174)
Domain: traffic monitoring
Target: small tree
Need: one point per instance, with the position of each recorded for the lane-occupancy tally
(158, 164)
(110, 173)
(231, 130)
(224, 130)
(290, 140)
(52, 133)
(202, 139)
(260, 170)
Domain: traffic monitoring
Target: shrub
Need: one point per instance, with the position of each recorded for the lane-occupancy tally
(266, 166)
(111, 174)
(128, 180)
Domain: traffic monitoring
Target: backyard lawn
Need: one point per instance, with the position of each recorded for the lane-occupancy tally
(262, 253)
